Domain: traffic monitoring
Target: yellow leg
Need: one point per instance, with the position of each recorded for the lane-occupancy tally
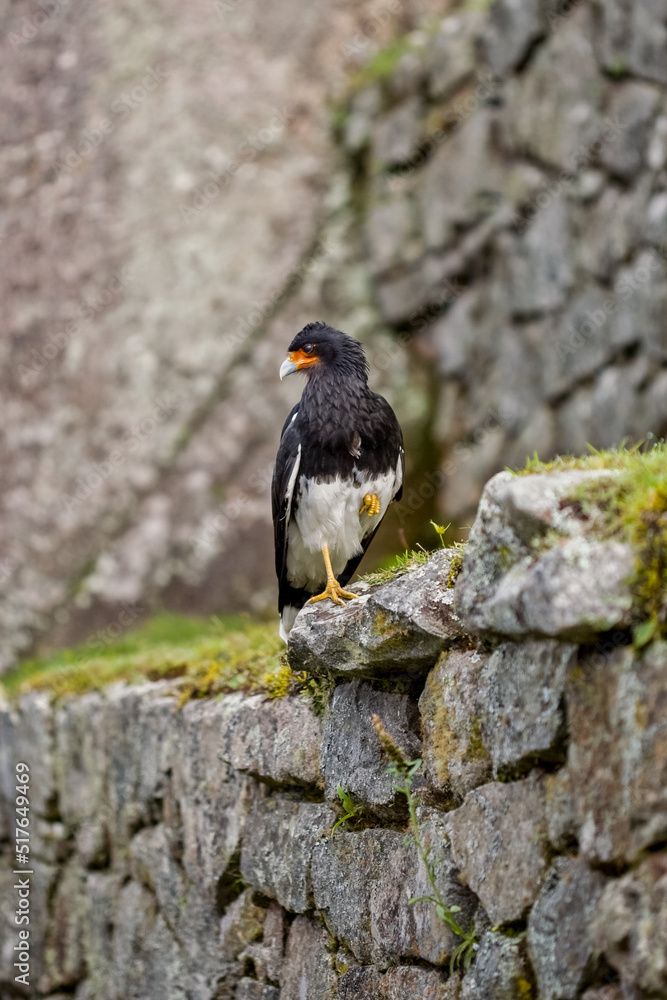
(371, 504)
(333, 589)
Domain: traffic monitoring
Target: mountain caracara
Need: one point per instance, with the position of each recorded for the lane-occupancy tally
(339, 465)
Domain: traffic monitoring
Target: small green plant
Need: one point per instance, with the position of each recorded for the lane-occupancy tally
(440, 530)
(404, 771)
(352, 808)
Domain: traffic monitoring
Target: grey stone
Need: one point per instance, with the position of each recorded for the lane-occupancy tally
(634, 38)
(406, 983)
(308, 972)
(640, 290)
(630, 926)
(281, 835)
(560, 809)
(33, 744)
(522, 688)
(206, 801)
(267, 957)
(277, 739)
(393, 235)
(510, 585)
(617, 713)
(498, 839)
(559, 126)
(634, 106)
(396, 628)
(396, 133)
(501, 970)
(511, 27)
(452, 58)
(559, 928)
(351, 753)
(462, 182)
(581, 343)
(242, 923)
(250, 989)
(537, 266)
(364, 881)
(455, 758)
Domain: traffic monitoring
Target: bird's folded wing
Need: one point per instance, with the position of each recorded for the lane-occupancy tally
(285, 475)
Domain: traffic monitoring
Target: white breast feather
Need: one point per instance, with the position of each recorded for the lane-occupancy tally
(328, 514)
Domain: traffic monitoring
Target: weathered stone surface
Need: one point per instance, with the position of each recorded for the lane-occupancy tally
(498, 839)
(396, 628)
(630, 925)
(277, 739)
(206, 801)
(511, 27)
(522, 688)
(634, 38)
(455, 758)
(545, 121)
(250, 989)
(617, 711)
(267, 957)
(42, 883)
(537, 266)
(242, 923)
(364, 881)
(633, 106)
(351, 753)
(509, 586)
(559, 928)
(368, 983)
(308, 972)
(501, 970)
(396, 134)
(280, 839)
(560, 809)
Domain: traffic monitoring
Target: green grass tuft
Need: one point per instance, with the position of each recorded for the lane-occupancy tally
(630, 507)
(209, 656)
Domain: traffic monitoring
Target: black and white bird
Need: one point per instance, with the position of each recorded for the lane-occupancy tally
(339, 465)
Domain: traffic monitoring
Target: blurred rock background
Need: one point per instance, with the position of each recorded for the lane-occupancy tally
(477, 191)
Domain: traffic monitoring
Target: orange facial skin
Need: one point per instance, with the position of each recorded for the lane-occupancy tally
(302, 360)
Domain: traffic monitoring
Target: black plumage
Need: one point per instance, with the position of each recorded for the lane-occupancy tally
(341, 442)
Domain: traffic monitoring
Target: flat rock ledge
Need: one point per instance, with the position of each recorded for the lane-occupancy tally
(398, 628)
(533, 566)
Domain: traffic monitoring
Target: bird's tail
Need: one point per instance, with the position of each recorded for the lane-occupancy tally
(292, 599)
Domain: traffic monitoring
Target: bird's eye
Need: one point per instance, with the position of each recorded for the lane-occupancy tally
(308, 349)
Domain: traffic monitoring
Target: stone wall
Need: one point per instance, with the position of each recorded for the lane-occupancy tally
(190, 853)
(511, 173)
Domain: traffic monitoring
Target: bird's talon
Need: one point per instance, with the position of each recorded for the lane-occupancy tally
(371, 505)
(335, 593)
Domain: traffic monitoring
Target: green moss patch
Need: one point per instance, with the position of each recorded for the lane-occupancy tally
(207, 656)
(630, 507)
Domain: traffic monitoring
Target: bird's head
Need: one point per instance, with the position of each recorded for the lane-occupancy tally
(319, 348)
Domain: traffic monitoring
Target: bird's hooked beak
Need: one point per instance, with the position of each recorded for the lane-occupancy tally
(296, 361)
(288, 367)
